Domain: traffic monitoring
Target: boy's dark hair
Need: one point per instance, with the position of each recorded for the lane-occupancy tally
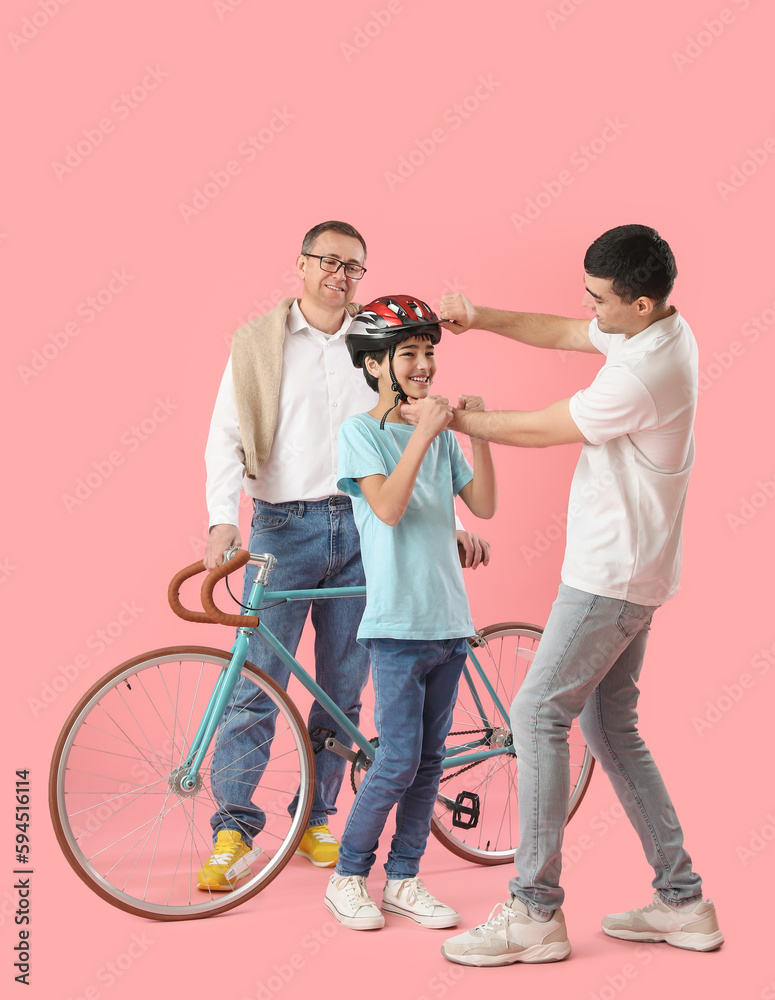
(331, 227)
(636, 260)
(379, 356)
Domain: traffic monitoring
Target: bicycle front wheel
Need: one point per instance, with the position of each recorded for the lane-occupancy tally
(476, 813)
(122, 814)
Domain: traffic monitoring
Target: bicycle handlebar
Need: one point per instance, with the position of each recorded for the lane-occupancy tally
(211, 615)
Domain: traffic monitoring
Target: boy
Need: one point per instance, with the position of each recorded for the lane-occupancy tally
(403, 480)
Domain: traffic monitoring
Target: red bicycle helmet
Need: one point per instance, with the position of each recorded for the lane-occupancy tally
(387, 321)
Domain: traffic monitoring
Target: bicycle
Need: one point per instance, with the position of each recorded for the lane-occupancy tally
(131, 788)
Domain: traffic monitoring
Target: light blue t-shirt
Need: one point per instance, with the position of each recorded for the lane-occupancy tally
(414, 582)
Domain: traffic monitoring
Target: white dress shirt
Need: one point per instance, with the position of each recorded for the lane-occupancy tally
(320, 388)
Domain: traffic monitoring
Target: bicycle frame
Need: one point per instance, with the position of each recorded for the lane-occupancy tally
(226, 682)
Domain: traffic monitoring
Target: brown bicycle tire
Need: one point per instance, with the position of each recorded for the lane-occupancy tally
(225, 901)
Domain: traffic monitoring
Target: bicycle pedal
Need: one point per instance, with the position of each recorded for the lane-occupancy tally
(242, 865)
(319, 737)
(466, 816)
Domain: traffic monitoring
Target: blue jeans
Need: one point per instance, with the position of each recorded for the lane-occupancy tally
(587, 665)
(316, 544)
(415, 687)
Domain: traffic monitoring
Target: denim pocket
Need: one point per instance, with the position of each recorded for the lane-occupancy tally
(266, 518)
(634, 617)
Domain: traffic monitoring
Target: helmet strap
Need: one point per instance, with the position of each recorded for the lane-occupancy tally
(401, 396)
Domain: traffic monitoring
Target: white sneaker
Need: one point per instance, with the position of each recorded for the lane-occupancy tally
(348, 899)
(409, 898)
(692, 927)
(510, 936)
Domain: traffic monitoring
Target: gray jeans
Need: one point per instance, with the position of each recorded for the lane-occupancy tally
(587, 666)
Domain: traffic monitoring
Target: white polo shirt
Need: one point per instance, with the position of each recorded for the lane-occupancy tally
(629, 489)
(320, 388)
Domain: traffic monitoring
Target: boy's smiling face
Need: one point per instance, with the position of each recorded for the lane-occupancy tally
(414, 366)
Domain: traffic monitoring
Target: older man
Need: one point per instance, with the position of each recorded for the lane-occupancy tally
(287, 388)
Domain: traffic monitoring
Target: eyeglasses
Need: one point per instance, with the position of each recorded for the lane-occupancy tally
(332, 265)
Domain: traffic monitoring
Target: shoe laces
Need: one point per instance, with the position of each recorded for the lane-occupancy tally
(355, 887)
(415, 890)
(494, 923)
(223, 858)
(323, 836)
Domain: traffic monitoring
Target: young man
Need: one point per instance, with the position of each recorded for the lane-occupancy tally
(287, 388)
(622, 561)
(403, 481)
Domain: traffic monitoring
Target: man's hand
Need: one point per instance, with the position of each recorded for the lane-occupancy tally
(470, 403)
(457, 313)
(477, 550)
(221, 537)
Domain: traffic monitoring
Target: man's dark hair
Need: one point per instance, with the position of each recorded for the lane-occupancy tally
(379, 356)
(331, 227)
(636, 260)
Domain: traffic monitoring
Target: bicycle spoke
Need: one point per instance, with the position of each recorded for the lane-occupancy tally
(129, 821)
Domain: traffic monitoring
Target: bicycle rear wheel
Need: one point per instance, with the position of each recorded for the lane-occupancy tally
(476, 813)
(124, 820)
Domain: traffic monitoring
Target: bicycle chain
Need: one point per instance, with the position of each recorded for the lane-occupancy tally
(464, 732)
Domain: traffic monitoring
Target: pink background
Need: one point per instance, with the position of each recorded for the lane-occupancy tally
(351, 101)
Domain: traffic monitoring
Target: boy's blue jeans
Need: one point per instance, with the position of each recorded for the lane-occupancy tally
(316, 544)
(415, 687)
(587, 665)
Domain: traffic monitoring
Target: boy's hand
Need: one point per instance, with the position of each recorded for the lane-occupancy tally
(434, 413)
(457, 313)
(470, 403)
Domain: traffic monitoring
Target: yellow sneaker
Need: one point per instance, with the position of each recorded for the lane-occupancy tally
(320, 846)
(229, 847)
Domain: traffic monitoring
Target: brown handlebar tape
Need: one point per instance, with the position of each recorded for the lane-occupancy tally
(236, 562)
(173, 595)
